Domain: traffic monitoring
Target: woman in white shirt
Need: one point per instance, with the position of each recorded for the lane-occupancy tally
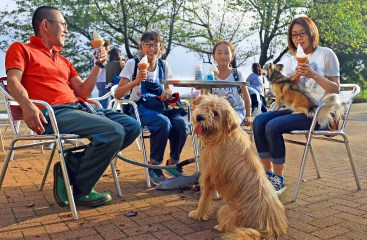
(319, 75)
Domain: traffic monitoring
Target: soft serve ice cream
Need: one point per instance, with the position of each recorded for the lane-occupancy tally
(97, 41)
(300, 55)
(143, 64)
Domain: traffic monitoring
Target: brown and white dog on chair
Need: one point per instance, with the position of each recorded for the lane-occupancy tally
(230, 165)
(287, 93)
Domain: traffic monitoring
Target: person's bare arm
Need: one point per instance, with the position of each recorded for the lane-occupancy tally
(33, 117)
(330, 84)
(83, 89)
(125, 85)
(246, 97)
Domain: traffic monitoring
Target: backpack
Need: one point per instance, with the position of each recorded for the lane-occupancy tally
(161, 72)
(236, 78)
(161, 69)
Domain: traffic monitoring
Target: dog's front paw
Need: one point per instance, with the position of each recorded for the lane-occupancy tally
(218, 228)
(275, 106)
(196, 215)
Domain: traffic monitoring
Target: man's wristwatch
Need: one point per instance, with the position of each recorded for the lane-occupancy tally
(100, 65)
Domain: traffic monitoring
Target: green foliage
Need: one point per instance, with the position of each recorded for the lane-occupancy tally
(270, 23)
(198, 24)
(346, 33)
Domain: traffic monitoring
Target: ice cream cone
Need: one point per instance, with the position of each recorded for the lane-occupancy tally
(97, 43)
(302, 59)
(300, 55)
(143, 65)
(216, 72)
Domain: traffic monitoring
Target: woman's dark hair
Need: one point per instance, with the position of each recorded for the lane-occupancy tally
(115, 54)
(256, 68)
(151, 36)
(106, 43)
(44, 12)
(310, 28)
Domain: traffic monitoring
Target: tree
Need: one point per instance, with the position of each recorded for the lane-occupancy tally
(205, 22)
(121, 21)
(271, 20)
(345, 33)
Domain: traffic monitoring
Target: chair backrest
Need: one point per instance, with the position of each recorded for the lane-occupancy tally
(347, 94)
(15, 113)
(258, 109)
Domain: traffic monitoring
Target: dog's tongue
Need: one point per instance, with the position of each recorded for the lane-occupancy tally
(198, 129)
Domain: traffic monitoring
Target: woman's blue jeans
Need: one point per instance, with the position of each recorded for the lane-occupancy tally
(268, 131)
(161, 129)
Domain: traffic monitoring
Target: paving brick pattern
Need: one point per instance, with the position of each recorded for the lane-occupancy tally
(327, 208)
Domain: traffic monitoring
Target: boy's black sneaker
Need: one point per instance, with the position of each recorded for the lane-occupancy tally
(156, 176)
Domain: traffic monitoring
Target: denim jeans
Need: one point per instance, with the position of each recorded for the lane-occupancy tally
(101, 86)
(268, 131)
(108, 134)
(161, 129)
(254, 102)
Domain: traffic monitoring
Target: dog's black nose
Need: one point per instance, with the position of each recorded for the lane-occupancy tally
(200, 118)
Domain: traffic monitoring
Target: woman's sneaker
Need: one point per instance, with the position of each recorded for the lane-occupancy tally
(156, 176)
(174, 172)
(278, 184)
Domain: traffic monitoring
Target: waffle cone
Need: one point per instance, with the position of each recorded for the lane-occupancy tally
(302, 59)
(143, 65)
(97, 43)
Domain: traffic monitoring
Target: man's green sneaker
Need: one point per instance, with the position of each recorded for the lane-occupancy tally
(59, 190)
(94, 199)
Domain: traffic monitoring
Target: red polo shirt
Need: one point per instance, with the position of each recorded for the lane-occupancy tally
(45, 77)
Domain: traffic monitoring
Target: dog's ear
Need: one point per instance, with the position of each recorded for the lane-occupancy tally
(198, 100)
(229, 120)
(279, 66)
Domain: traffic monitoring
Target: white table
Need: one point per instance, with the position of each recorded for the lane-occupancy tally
(206, 84)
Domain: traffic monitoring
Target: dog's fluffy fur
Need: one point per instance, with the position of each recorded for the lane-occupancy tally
(230, 165)
(288, 94)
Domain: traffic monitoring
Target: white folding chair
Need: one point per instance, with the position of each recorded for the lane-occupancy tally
(116, 103)
(15, 115)
(347, 93)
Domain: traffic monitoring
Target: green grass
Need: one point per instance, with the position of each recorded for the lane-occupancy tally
(362, 96)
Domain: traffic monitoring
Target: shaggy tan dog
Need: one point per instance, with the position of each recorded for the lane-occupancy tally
(230, 166)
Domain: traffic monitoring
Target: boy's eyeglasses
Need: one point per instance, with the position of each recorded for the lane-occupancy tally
(302, 34)
(149, 45)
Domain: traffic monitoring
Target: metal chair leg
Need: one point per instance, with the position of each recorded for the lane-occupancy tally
(301, 170)
(48, 167)
(2, 138)
(17, 126)
(115, 178)
(315, 162)
(145, 160)
(137, 144)
(69, 190)
(347, 145)
(195, 144)
(6, 162)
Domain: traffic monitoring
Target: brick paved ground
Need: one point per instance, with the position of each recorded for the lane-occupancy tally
(327, 208)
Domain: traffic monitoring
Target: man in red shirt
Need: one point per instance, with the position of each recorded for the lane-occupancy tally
(36, 70)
